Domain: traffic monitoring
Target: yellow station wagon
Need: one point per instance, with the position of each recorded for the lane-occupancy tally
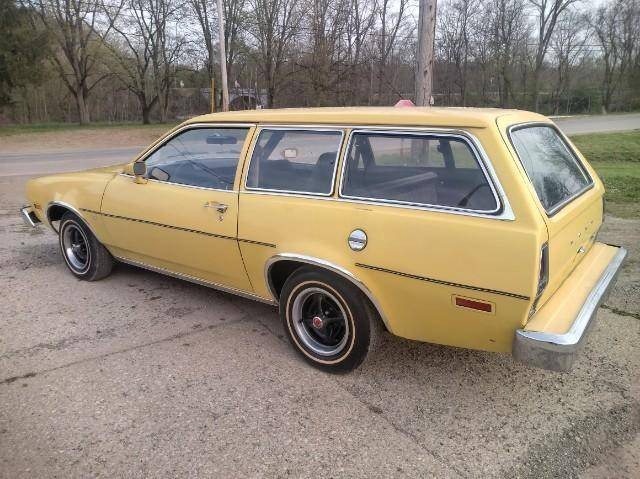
(465, 227)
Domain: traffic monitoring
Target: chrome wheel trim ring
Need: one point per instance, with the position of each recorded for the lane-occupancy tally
(75, 247)
(302, 330)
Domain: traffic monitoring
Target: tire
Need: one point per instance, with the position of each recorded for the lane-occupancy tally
(85, 256)
(328, 320)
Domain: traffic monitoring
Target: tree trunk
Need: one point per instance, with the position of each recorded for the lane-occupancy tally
(81, 105)
(535, 94)
(146, 114)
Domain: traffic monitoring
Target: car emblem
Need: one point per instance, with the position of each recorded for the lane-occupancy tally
(317, 322)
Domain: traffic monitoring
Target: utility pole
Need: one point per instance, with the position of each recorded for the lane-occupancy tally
(223, 59)
(426, 37)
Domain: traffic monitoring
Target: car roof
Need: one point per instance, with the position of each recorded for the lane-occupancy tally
(452, 117)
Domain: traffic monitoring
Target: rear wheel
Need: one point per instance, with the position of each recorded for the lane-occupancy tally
(327, 320)
(85, 256)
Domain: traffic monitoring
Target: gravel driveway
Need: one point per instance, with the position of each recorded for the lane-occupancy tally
(141, 375)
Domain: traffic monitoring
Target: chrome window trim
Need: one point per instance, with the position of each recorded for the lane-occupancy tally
(532, 124)
(503, 210)
(144, 156)
(294, 127)
(348, 275)
(181, 184)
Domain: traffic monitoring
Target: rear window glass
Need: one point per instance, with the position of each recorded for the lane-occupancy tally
(295, 160)
(553, 169)
(419, 169)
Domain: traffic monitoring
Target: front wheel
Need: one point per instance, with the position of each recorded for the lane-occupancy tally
(85, 256)
(327, 320)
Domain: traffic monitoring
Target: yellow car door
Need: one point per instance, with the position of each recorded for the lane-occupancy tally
(182, 218)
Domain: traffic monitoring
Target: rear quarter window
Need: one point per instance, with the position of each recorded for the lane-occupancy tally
(552, 167)
(440, 171)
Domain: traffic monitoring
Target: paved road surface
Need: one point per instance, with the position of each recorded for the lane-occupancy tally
(599, 124)
(62, 161)
(59, 161)
(141, 375)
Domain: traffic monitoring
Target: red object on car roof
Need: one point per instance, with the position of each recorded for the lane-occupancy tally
(404, 104)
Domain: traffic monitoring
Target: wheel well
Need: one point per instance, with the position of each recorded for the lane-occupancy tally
(279, 272)
(55, 212)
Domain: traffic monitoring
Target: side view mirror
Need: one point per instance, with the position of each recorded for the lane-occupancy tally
(139, 168)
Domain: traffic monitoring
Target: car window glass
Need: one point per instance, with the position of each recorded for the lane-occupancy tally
(420, 169)
(206, 157)
(294, 160)
(553, 169)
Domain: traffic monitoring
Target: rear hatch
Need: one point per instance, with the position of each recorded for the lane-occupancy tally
(567, 191)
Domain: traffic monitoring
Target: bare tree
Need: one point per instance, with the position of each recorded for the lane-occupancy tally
(146, 52)
(71, 26)
(235, 14)
(275, 24)
(390, 24)
(510, 33)
(548, 12)
(455, 26)
(616, 28)
(235, 19)
(568, 47)
(326, 26)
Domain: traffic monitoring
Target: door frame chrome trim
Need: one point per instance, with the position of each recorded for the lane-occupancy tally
(150, 150)
(503, 210)
(254, 142)
(348, 275)
(193, 279)
(181, 184)
(179, 129)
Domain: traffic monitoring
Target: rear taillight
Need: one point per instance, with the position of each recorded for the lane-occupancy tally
(543, 276)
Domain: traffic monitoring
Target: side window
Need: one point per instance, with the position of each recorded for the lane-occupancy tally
(295, 160)
(416, 169)
(206, 157)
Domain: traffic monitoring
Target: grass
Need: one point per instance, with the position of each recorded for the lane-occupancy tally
(52, 127)
(616, 158)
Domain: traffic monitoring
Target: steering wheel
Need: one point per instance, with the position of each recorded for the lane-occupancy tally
(464, 201)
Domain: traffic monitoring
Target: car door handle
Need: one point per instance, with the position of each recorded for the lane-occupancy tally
(219, 207)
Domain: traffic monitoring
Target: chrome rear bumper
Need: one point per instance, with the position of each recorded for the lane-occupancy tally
(557, 352)
(28, 216)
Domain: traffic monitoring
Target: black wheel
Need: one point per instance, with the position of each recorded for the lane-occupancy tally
(85, 256)
(328, 320)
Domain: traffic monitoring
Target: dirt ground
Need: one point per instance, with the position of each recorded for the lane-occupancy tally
(95, 138)
(141, 375)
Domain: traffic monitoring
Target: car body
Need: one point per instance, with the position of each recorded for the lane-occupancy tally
(473, 228)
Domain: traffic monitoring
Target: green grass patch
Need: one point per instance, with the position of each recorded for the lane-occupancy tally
(52, 127)
(616, 158)
(603, 147)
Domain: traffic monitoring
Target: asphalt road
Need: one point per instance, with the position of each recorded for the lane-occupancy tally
(141, 375)
(599, 124)
(15, 164)
(43, 163)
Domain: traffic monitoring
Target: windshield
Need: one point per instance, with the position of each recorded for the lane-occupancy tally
(555, 172)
